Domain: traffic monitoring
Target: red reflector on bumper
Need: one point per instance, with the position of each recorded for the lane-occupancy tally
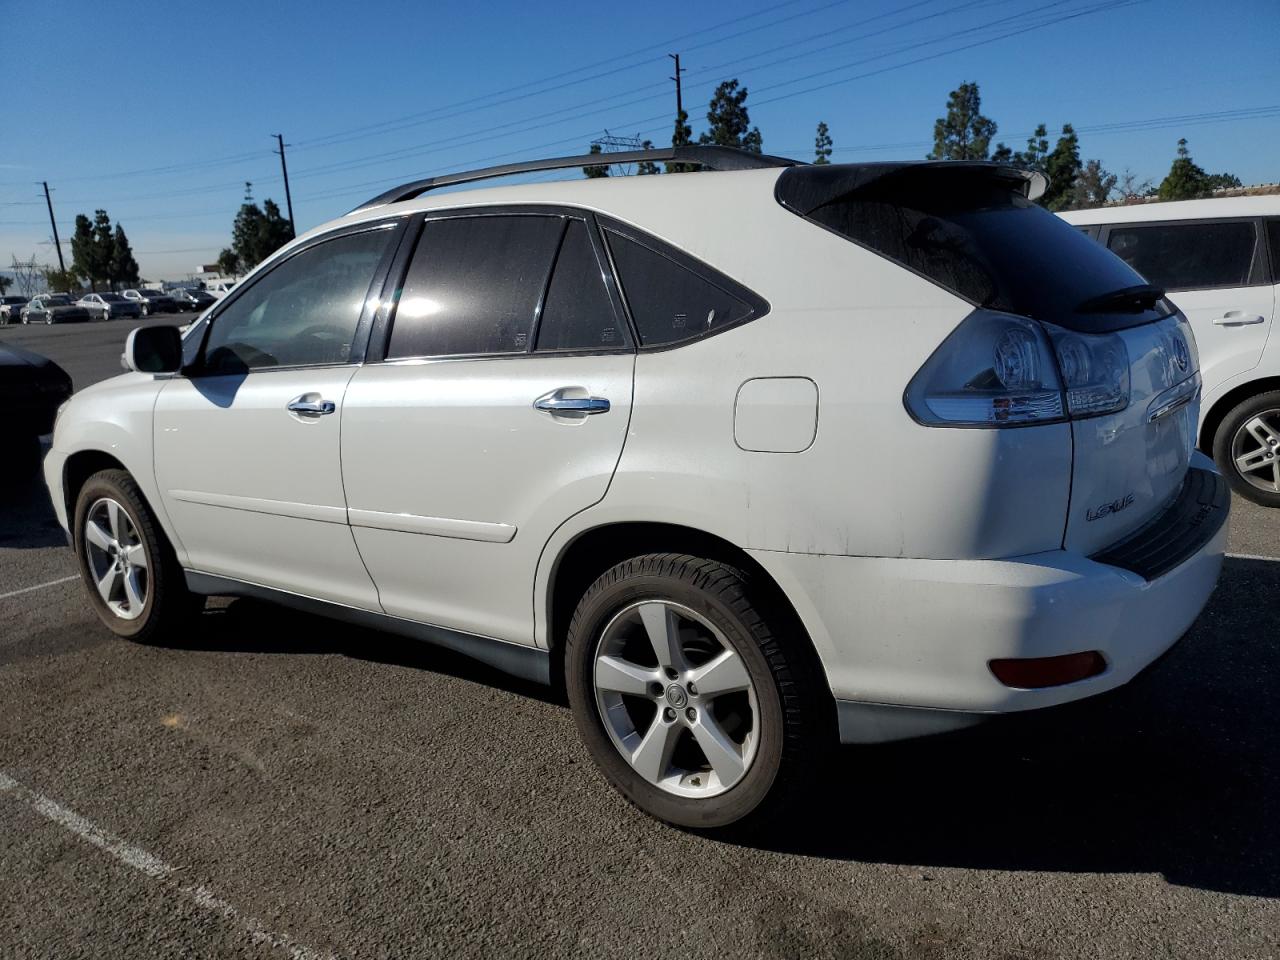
(1033, 672)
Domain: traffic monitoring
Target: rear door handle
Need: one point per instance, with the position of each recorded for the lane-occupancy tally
(311, 408)
(1237, 318)
(555, 402)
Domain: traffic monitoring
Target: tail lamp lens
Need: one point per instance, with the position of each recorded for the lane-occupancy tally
(999, 370)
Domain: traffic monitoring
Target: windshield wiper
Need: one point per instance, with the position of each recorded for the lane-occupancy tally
(1135, 299)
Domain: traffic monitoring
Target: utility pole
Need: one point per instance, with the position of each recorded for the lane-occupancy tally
(57, 244)
(284, 168)
(676, 78)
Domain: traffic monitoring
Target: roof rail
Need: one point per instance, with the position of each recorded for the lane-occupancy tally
(710, 157)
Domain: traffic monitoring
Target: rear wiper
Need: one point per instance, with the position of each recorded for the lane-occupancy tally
(1125, 300)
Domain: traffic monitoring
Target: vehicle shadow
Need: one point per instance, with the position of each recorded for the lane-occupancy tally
(27, 520)
(1175, 774)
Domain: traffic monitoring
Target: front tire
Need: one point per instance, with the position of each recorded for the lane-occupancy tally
(1246, 447)
(695, 695)
(129, 569)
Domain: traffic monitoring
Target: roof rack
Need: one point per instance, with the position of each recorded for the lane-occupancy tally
(709, 157)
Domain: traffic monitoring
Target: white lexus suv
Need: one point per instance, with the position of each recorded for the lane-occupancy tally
(749, 461)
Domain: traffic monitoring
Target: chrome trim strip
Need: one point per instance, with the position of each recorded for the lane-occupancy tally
(526, 662)
(433, 526)
(280, 508)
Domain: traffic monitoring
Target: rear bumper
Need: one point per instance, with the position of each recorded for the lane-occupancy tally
(897, 633)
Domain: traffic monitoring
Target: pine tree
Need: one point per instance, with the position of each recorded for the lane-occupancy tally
(681, 136)
(1062, 167)
(822, 144)
(728, 121)
(964, 133)
(599, 170)
(83, 254)
(1092, 187)
(646, 168)
(104, 247)
(1186, 180)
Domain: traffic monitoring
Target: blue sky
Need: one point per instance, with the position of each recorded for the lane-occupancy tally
(158, 111)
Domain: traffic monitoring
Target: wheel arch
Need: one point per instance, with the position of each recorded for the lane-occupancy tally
(78, 468)
(1228, 402)
(594, 550)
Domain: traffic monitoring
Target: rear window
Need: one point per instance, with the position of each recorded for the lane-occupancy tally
(1188, 256)
(967, 228)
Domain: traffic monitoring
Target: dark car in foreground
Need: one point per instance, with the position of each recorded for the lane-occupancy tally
(32, 388)
(191, 299)
(54, 308)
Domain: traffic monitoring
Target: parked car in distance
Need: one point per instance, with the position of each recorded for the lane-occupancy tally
(110, 306)
(1219, 261)
(218, 288)
(894, 451)
(151, 301)
(32, 388)
(54, 308)
(189, 298)
(11, 309)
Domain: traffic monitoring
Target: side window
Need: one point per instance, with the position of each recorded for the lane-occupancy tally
(1273, 234)
(577, 313)
(303, 312)
(1188, 256)
(669, 302)
(473, 286)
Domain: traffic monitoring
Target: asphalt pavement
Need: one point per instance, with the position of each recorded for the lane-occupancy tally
(276, 785)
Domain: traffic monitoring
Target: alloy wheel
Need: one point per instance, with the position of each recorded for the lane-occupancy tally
(676, 699)
(1255, 450)
(116, 558)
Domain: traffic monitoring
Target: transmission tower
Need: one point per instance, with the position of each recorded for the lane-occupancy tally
(610, 143)
(26, 273)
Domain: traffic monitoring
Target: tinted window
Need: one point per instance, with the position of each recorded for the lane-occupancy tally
(303, 312)
(1273, 231)
(578, 314)
(473, 286)
(1181, 256)
(668, 301)
(972, 232)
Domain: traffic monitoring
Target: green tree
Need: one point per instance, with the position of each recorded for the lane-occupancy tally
(646, 168)
(124, 268)
(1222, 181)
(596, 171)
(104, 246)
(1062, 167)
(822, 144)
(964, 133)
(728, 120)
(84, 254)
(681, 136)
(1186, 180)
(1092, 187)
(61, 281)
(228, 263)
(258, 232)
(6, 282)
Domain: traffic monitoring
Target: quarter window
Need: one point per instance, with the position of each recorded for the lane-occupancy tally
(577, 313)
(303, 312)
(1273, 233)
(668, 301)
(1188, 256)
(473, 286)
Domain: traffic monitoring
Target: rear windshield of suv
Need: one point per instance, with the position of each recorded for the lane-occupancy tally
(969, 229)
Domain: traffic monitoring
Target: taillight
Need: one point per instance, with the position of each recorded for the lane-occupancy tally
(1001, 370)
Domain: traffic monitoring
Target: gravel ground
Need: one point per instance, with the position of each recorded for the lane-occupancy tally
(272, 784)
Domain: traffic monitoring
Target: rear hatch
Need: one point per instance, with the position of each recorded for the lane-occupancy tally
(1126, 357)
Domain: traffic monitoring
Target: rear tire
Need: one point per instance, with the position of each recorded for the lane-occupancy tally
(1246, 447)
(727, 754)
(135, 583)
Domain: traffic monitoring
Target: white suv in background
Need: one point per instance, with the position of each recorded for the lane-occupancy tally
(1219, 261)
(748, 460)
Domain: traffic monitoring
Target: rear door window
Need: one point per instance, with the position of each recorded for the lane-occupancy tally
(670, 302)
(1273, 234)
(577, 313)
(1188, 256)
(473, 286)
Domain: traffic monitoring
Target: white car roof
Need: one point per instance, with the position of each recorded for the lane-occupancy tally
(1211, 208)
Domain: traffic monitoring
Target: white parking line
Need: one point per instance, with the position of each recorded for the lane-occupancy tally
(38, 586)
(155, 868)
(1251, 556)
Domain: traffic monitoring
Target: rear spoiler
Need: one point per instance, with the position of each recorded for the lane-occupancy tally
(804, 189)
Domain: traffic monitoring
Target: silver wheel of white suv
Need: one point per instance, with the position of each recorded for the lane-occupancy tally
(676, 699)
(116, 558)
(1255, 450)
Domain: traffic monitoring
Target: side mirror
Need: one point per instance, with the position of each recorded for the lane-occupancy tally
(153, 350)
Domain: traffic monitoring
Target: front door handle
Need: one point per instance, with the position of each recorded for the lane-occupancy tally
(556, 402)
(311, 408)
(1237, 318)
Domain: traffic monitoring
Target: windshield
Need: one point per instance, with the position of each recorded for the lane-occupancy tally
(111, 297)
(58, 301)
